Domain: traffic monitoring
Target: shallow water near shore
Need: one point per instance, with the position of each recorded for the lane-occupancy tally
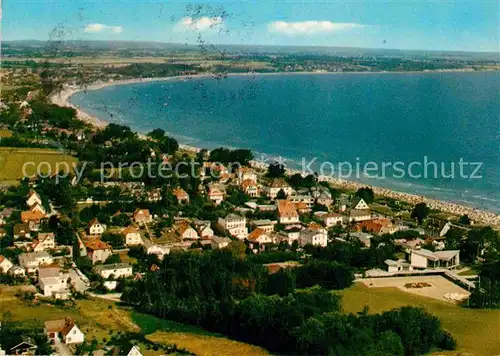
(355, 118)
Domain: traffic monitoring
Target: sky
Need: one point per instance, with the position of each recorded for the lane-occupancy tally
(470, 25)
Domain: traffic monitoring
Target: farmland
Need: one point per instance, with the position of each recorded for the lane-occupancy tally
(12, 161)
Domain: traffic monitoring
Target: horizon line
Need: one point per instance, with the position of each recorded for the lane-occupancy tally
(259, 45)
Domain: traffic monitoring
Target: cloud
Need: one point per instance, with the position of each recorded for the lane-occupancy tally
(99, 27)
(311, 27)
(199, 24)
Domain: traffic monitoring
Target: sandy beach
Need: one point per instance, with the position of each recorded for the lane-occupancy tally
(62, 99)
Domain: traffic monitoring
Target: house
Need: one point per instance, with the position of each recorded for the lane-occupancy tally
(95, 227)
(359, 204)
(2, 221)
(277, 184)
(287, 212)
(38, 207)
(363, 237)
(64, 329)
(115, 270)
(158, 250)
(324, 198)
(203, 228)
(261, 237)
(302, 208)
(250, 188)
(264, 224)
(215, 195)
(132, 236)
(6, 213)
(17, 271)
(332, 219)
(306, 200)
(32, 218)
(33, 198)
(313, 237)
(44, 241)
(22, 231)
(142, 216)
(317, 227)
(358, 215)
(134, 351)
(185, 231)
(97, 250)
(24, 345)
(398, 266)
(181, 195)
(290, 234)
(219, 242)
(5, 264)
(53, 282)
(212, 169)
(342, 204)
(425, 259)
(33, 260)
(245, 174)
(234, 225)
(377, 226)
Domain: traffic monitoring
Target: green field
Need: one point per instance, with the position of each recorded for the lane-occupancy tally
(192, 338)
(476, 331)
(100, 319)
(45, 161)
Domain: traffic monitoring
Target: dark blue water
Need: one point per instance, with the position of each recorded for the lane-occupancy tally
(384, 118)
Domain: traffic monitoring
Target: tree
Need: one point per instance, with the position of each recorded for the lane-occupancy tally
(464, 220)
(281, 194)
(366, 194)
(157, 134)
(420, 212)
(276, 170)
(115, 240)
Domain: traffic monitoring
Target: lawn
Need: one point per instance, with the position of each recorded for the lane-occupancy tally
(99, 319)
(13, 159)
(192, 338)
(476, 331)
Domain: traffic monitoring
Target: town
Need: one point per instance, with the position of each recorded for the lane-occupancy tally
(233, 247)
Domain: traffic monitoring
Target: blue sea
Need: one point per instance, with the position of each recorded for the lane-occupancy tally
(405, 121)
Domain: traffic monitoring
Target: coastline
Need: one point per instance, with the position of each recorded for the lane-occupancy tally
(62, 98)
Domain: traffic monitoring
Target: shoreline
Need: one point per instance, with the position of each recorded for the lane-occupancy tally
(62, 98)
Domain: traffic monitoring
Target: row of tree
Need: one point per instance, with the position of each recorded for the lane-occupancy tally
(225, 292)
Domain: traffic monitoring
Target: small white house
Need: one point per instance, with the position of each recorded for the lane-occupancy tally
(33, 260)
(132, 236)
(313, 237)
(33, 199)
(203, 228)
(359, 204)
(116, 270)
(44, 241)
(95, 227)
(398, 266)
(219, 242)
(264, 224)
(332, 219)
(64, 329)
(186, 232)
(275, 186)
(54, 283)
(158, 250)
